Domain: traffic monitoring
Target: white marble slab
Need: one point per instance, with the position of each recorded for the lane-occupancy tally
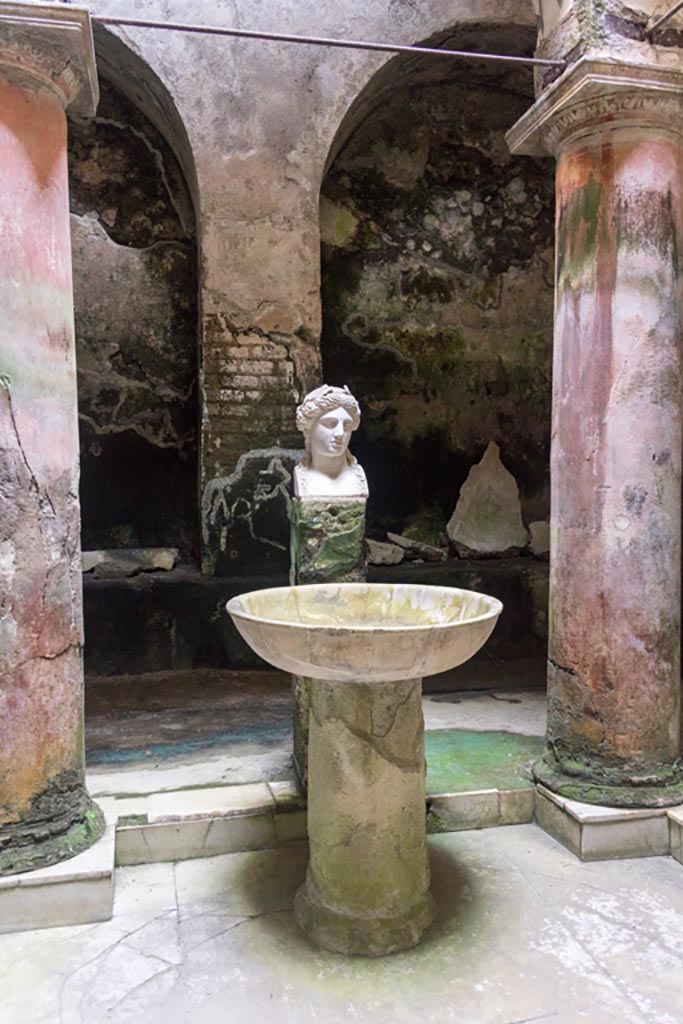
(592, 832)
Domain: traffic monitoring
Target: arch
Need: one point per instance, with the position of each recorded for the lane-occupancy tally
(434, 357)
(487, 36)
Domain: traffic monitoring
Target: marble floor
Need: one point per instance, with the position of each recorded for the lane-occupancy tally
(525, 933)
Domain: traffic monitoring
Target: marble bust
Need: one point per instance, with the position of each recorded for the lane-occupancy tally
(327, 417)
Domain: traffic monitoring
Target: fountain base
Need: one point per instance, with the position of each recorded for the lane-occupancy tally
(358, 934)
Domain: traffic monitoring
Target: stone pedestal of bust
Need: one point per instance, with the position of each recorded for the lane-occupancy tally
(327, 518)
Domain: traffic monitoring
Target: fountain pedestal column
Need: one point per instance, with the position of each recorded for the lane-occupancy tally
(613, 668)
(46, 64)
(367, 886)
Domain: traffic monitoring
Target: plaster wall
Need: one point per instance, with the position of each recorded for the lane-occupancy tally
(261, 120)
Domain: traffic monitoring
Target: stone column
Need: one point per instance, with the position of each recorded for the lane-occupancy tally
(367, 885)
(613, 669)
(46, 64)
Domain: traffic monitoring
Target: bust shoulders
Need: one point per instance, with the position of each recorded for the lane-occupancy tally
(312, 483)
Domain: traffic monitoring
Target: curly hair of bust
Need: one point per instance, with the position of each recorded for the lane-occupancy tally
(321, 400)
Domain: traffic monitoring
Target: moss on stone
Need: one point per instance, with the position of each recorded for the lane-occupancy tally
(40, 850)
(440, 316)
(590, 15)
(133, 819)
(338, 225)
(595, 781)
(426, 526)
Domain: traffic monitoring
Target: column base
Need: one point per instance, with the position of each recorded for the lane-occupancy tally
(361, 935)
(592, 782)
(50, 835)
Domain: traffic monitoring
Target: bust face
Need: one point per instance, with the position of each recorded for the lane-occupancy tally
(331, 434)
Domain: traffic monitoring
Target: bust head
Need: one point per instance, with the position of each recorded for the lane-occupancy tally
(327, 417)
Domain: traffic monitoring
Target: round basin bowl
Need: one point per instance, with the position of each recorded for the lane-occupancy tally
(365, 632)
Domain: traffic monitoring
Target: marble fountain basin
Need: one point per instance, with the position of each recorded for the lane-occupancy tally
(365, 632)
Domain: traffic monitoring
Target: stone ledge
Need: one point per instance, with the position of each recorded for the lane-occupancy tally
(205, 822)
(605, 833)
(75, 891)
(213, 802)
(209, 821)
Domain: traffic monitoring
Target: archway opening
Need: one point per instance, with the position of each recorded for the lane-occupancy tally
(135, 291)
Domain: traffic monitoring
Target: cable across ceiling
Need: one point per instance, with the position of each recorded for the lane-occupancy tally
(345, 44)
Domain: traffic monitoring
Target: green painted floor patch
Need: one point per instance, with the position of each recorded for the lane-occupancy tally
(459, 760)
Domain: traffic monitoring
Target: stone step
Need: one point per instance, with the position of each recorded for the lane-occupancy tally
(610, 833)
(207, 821)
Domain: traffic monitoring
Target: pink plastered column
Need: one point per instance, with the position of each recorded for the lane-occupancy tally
(614, 624)
(46, 814)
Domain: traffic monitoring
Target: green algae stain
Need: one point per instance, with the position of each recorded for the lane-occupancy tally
(338, 225)
(460, 760)
(578, 230)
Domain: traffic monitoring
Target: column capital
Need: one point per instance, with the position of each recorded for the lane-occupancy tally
(50, 46)
(596, 95)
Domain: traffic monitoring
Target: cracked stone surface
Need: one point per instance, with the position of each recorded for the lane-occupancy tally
(524, 933)
(245, 515)
(327, 545)
(259, 221)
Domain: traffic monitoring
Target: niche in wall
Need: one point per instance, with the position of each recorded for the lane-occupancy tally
(437, 290)
(135, 290)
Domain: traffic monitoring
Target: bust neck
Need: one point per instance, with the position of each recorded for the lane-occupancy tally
(330, 465)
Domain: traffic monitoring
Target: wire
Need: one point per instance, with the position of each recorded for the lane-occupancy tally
(348, 44)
